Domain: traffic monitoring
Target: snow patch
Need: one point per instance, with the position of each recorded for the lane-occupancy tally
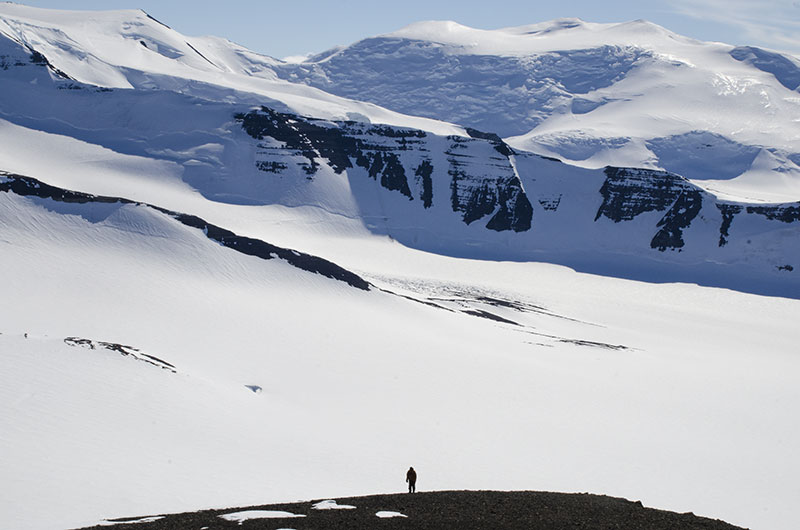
(332, 505)
(132, 521)
(389, 515)
(258, 514)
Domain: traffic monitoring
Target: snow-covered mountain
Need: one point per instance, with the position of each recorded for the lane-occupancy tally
(631, 94)
(225, 287)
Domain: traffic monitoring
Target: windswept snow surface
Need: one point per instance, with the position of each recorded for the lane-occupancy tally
(483, 374)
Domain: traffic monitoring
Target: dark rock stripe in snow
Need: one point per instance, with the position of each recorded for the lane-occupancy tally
(728, 212)
(786, 213)
(31, 187)
(680, 216)
(128, 351)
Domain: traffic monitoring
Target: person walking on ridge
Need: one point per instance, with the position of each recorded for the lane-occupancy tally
(411, 478)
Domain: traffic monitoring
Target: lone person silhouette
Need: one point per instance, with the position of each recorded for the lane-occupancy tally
(411, 478)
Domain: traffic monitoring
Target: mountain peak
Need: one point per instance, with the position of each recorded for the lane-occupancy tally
(60, 16)
(559, 24)
(568, 33)
(433, 30)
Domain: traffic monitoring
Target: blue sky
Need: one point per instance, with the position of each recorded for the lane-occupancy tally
(294, 27)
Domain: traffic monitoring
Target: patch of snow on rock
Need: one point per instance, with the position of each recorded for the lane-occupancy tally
(387, 515)
(331, 505)
(134, 521)
(258, 514)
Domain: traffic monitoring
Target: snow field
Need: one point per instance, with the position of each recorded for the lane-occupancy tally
(381, 382)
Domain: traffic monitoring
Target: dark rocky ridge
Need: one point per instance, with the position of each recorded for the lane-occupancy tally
(461, 510)
(628, 193)
(31, 187)
(786, 213)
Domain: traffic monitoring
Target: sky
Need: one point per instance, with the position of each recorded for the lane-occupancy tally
(283, 28)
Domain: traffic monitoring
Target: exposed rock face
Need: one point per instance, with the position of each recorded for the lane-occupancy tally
(728, 213)
(483, 185)
(786, 213)
(679, 217)
(628, 193)
(483, 182)
(631, 192)
(423, 174)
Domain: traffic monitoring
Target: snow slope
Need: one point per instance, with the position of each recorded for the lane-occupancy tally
(151, 326)
(644, 391)
(629, 94)
(130, 49)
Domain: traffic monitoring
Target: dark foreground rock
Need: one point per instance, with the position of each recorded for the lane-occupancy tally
(462, 510)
